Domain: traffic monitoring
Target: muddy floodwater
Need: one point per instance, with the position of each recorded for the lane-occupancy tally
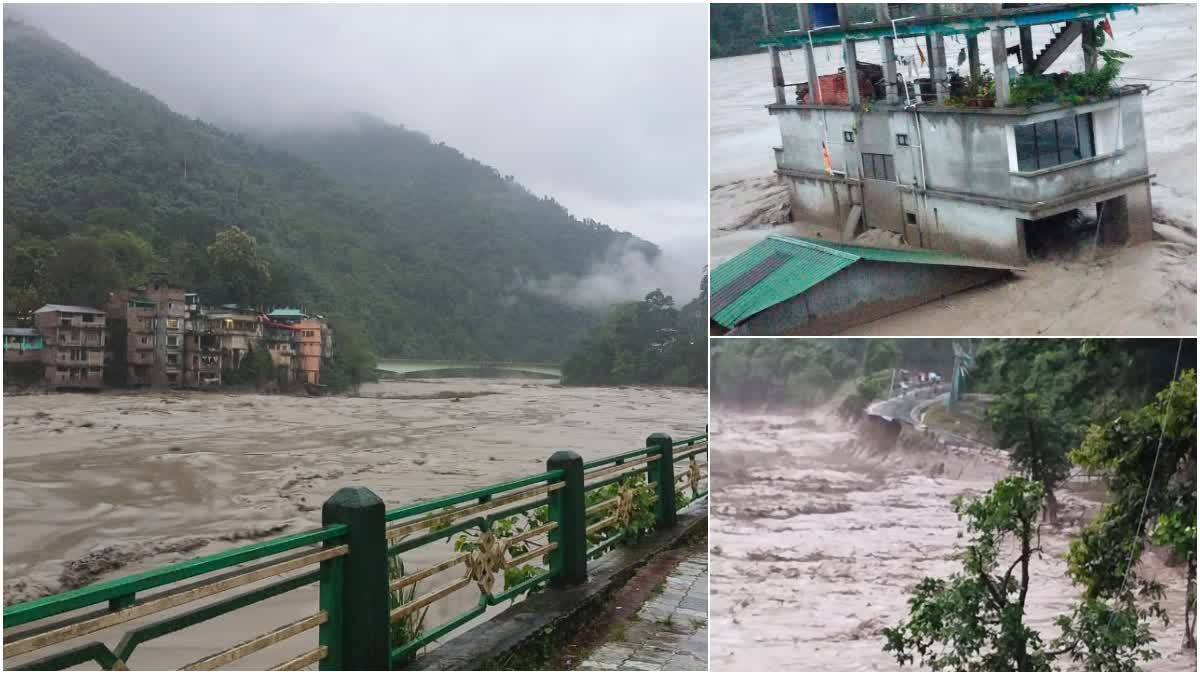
(101, 485)
(816, 544)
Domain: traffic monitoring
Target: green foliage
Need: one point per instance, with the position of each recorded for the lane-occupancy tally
(1069, 88)
(974, 620)
(641, 518)
(353, 360)
(243, 275)
(805, 372)
(255, 368)
(434, 250)
(648, 342)
(1127, 452)
(409, 627)
(505, 529)
(1047, 392)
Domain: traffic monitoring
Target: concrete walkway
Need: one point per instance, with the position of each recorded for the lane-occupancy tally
(669, 631)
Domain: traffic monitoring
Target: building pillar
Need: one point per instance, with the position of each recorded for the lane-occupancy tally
(937, 67)
(973, 56)
(850, 58)
(888, 51)
(1027, 59)
(1088, 38)
(1000, 66)
(805, 24)
(776, 66)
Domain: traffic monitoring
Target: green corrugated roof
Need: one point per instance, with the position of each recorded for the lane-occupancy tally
(921, 256)
(286, 311)
(779, 268)
(808, 264)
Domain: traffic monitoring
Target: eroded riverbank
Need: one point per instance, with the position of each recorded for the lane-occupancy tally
(100, 485)
(817, 543)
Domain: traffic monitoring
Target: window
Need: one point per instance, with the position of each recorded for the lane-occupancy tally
(878, 167)
(172, 359)
(848, 136)
(901, 139)
(1059, 141)
(172, 340)
(88, 318)
(173, 323)
(910, 217)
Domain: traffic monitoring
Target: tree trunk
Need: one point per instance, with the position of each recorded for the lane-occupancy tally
(1189, 610)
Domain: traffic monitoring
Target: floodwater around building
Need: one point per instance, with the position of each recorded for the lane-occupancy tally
(101, 485)
(816, 543)
(1147, 289)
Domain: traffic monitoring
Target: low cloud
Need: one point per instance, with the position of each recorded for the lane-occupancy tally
(626, 274)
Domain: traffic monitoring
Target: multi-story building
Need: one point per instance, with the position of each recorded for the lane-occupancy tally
(949, 161)
(283, 343)
(201, 347)
(146, 325)
(74, 341)
(314, 339)
(238, 331)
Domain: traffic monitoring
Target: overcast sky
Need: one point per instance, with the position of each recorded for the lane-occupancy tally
(602, 107)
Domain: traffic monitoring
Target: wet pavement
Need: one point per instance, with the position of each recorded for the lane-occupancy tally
(669, 631)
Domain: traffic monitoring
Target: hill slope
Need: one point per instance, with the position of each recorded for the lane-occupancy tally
(430, 249)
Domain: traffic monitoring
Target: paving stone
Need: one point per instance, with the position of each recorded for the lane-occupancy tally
(669, 631)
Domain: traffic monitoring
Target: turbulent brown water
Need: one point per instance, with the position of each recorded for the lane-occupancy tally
(101, 485)
(816, 543)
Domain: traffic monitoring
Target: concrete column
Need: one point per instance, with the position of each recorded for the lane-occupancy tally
(1089, 46)
(937, 67)
(888, 51)
(973, 56)
(1000, 66)
(850, 54)
(776, 66)
(802, 17)
(1026, 35)
(850, 58)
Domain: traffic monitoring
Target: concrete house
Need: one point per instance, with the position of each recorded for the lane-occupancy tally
(201, 346)
(313, 340)
(22, 345)
(866, 148)
(147, 326)
(238, 329)
(74, 339)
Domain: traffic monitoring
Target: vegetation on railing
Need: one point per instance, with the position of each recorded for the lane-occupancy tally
(373, 612)
(980, 92)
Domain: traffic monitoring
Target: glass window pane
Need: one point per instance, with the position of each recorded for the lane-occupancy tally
(1083, 125)
(1068, 141)
(1026, 148)
(880, 174)
(1047, 144)
(889, 168)
(868, 166)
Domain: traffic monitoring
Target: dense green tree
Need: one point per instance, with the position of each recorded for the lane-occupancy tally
(353, 359)
(243, 275)
(975, 619)
(647, 342)
(1148, 457)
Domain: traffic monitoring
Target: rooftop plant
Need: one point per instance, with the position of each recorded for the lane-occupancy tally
(1071, 88)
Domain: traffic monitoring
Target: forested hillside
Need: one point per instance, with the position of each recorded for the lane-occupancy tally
(428, 248)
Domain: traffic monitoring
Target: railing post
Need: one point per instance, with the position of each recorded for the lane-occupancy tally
(357, 636)
(662, 471)
(568, 562)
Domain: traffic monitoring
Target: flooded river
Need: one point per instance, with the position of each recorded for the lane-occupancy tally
(816, 544)
(1147, 289)
(101, 485)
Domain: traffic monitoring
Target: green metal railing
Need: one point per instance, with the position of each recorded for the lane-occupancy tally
(530, 532)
